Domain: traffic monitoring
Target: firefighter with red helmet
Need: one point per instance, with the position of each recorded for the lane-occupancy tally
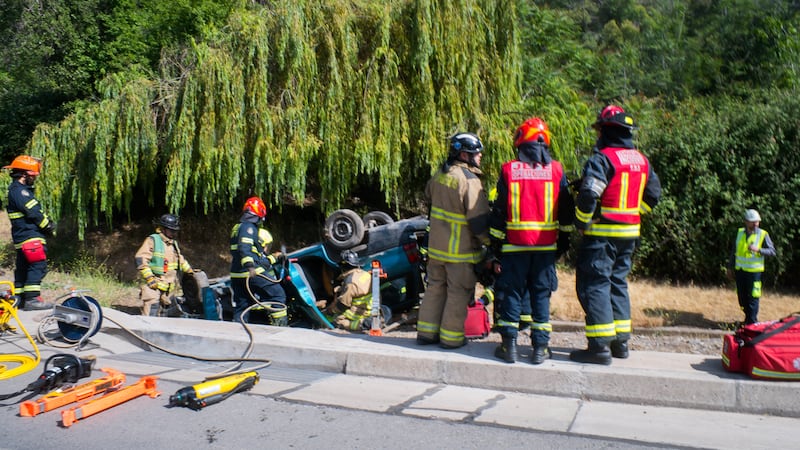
(530, 223)
(29, 228)
(618, 186)
(160, 264)
(253, 276)
(459, 229)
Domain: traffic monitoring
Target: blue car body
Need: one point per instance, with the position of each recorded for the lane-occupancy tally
(309, 273)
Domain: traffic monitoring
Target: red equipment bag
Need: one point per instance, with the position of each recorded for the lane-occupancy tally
(765, 350)
(33, 251)
(477, 324)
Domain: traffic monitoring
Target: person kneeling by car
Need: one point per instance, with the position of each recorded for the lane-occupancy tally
(352, 308)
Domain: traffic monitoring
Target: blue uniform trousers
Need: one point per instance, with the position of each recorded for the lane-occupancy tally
(527, 277)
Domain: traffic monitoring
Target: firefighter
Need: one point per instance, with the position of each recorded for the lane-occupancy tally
(353, 305)
(530, 220)
(29, 227)
(459, 230)
(160, 264)
(618, 185)
(253, 276)
(746, 263)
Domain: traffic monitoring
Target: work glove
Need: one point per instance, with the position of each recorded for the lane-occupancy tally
(50, 229)
(252, 271)
(152, 282)
(276, 258)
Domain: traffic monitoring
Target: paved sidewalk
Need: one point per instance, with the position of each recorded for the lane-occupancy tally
(646, 378)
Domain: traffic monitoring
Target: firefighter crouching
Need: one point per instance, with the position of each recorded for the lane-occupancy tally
(353, 305)
(160, 264)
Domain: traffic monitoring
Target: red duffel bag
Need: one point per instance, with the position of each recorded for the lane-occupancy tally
(765, 350)
(477, 324)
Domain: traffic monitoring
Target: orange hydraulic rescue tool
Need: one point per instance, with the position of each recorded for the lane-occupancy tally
(145, 385)
(61, 397)
(377, 274)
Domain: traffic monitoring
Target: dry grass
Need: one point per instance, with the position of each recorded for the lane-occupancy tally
(656, 305)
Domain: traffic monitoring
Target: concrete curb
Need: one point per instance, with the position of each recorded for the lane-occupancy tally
(646, 378)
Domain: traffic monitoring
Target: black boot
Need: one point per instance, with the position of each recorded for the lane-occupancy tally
(507, 351)
(619, 349)
(595, 354)
(540, 353)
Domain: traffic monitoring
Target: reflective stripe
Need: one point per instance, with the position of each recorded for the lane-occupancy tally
(16, 215)
(19, 246)
(600, 330)
(508, 248)
(454, 257)
(543, 326)
(447, 216)
(31, 203)
(427, 327)
(582, 216)
(246, 274)
(503, 323)
(456, 337)
(622, 326)
(613, 230)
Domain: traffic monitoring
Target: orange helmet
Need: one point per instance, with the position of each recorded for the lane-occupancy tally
(255, 205)
(614, 115)
(531, 131)
(29, 164)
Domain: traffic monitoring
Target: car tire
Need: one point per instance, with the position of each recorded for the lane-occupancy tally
(376, 218)
(344, 229)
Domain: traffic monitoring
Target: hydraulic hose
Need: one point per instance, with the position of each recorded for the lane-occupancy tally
(25, 362)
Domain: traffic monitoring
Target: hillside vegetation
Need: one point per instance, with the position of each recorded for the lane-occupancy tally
(140, 107)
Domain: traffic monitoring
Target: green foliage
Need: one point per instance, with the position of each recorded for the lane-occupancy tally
(716, 158)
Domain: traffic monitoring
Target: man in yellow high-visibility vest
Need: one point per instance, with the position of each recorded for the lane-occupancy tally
(746, 263)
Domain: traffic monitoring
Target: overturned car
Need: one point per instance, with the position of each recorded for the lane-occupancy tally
(308, 274)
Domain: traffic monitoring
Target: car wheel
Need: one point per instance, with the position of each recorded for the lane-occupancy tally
(376, 218)
(344, 229)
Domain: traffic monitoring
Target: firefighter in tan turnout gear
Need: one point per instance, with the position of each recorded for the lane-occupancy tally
(158, 261)
(353, 303)
(459, 230)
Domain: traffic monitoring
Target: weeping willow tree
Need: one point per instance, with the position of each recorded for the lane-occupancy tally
(291, 97)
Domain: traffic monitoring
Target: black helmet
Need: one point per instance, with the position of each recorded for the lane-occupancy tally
(350, 258)
(169, 222)
(465, 142)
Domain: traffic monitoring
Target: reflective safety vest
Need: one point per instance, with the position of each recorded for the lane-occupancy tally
(532, 204)
(158, 265)
(745, 259)
(621, 202)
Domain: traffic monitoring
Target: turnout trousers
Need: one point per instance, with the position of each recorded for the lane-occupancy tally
(601, 284)
(265, 290)
(451, 286)
(526, 282)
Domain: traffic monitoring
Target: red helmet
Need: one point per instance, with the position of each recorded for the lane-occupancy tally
(613, 115)
(28, 164)
(255, 205)
(532, 130)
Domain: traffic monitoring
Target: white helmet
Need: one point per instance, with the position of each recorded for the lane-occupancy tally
(751, 215)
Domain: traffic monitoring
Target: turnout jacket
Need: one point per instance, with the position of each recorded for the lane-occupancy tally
(533, 205)
(247, 250)
(619, 185)
(459, 214)
(28, 221)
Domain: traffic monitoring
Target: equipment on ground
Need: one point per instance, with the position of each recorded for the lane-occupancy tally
(214, 391)
(765, 350)
(477, 324)
(60, 397)
(8, 310)
(77, 318)
(145, 385)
